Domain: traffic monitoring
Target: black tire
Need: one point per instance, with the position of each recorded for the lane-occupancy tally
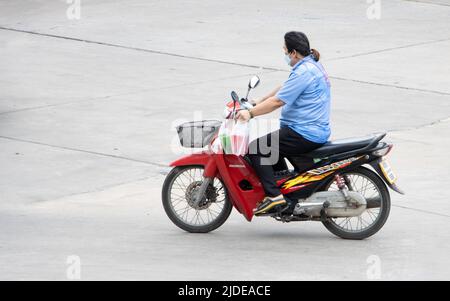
(381, 218)
(166, 200)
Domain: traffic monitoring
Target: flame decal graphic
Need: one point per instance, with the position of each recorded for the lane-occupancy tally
(318, 173)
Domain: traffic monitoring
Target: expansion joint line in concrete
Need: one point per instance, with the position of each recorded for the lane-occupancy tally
(234, 63)
(83, 151)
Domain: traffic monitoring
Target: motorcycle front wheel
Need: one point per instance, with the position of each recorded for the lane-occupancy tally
(371, 187)
(178, 194)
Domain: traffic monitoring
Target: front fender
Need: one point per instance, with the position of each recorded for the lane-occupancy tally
(192, 159)
(204, 159)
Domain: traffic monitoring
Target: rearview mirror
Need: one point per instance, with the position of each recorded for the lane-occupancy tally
(234, 96)
(254, 82)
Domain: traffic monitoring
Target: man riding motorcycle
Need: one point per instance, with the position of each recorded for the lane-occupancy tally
(331, 181)
(304, 121)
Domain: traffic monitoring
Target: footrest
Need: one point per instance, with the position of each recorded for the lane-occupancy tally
(284, 173)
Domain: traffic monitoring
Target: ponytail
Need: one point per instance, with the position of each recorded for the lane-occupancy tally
(296, 40)
(315, 54)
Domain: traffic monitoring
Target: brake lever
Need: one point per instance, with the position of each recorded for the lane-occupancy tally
(246, 104)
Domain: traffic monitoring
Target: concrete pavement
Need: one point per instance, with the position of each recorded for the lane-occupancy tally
(87, 109)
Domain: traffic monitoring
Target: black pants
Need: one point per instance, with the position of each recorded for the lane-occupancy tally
(267, 155)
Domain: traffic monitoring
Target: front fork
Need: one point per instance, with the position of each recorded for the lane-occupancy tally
(201, 191)
(208, 177)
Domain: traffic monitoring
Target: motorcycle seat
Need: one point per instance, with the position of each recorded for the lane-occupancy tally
(344, 145)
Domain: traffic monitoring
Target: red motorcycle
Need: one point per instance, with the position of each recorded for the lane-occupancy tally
(331, 184)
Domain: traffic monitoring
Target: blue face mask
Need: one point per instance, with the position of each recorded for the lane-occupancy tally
(287, 59)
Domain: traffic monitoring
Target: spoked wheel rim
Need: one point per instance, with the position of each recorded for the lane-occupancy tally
(369, 190)
(181, 198)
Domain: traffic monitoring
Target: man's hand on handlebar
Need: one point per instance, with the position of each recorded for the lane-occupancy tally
(243, 115)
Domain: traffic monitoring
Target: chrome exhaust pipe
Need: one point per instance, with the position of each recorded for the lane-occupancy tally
(333, 204)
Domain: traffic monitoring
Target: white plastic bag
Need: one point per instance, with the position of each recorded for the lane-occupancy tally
(239, 138)
(216, 146)
(232, 138)
(224, 136)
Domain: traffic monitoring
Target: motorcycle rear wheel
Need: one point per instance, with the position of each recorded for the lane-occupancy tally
(178, 194)
(368, 183)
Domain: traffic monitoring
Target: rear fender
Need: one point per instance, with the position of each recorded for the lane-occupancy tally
(366, 159)
(376, 166)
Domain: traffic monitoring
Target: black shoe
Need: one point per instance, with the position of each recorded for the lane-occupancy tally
(270, 205)
(289, 208)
